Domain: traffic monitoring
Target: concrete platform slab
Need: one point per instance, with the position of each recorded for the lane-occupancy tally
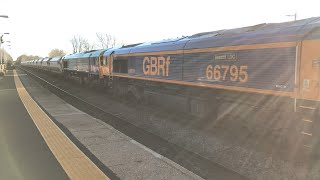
(98, 136)
(120, 152)
(77, 122)
(146, 170)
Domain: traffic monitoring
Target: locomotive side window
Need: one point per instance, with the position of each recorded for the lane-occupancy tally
(65, 64)
(96, 62)
(101, 61)
(104, 60)
(120, 65)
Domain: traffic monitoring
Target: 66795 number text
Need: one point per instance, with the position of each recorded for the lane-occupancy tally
(227, 72)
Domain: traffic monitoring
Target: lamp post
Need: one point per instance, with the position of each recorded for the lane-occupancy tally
(1, 41)
(6, 54)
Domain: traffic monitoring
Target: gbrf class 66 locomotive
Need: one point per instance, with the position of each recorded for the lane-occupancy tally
(276, 65)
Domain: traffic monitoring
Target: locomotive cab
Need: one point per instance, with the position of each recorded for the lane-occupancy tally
(309, 70)
(102, 66)
(105, 64)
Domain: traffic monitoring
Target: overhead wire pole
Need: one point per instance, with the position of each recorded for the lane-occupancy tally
(293, 15)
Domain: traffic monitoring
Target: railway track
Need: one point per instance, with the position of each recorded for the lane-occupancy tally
(194, 162)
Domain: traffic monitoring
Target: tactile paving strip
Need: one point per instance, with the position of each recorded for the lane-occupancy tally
(75, 163)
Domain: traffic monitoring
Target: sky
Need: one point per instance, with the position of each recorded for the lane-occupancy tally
(38, 26)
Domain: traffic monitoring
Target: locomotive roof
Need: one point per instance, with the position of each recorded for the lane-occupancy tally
(75, 55)
(45, 59)
(56, 58)
(257, 34)
(164, 45)
(98, 52)
(93, 53)
(109, 51)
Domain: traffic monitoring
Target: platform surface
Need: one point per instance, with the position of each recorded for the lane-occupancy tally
(123, 156)
(23, 152)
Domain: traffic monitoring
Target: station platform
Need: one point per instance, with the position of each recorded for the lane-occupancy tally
(24, 154)
(28, 152)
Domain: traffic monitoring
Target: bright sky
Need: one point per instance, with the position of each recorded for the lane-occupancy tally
(37, 26)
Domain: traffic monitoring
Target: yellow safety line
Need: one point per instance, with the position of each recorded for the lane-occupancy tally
(307, 146)
(74, 162)
(304, 133)
(307, 120)
(308, 107)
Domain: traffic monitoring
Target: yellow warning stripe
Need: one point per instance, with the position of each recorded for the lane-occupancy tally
(308, 107)
(304, 133)
(74, 162)
(307, 120)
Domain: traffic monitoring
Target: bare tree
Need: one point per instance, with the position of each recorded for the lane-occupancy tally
(106, 40)
(74, 42)
(56, 52)
(86, 45)
(101, 40)
(122, 43)
(93, 46)
(77, 43)
(81, 44)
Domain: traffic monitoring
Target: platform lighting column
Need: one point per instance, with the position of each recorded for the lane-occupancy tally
(1, 41)
(5, 58)
(2, 16)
